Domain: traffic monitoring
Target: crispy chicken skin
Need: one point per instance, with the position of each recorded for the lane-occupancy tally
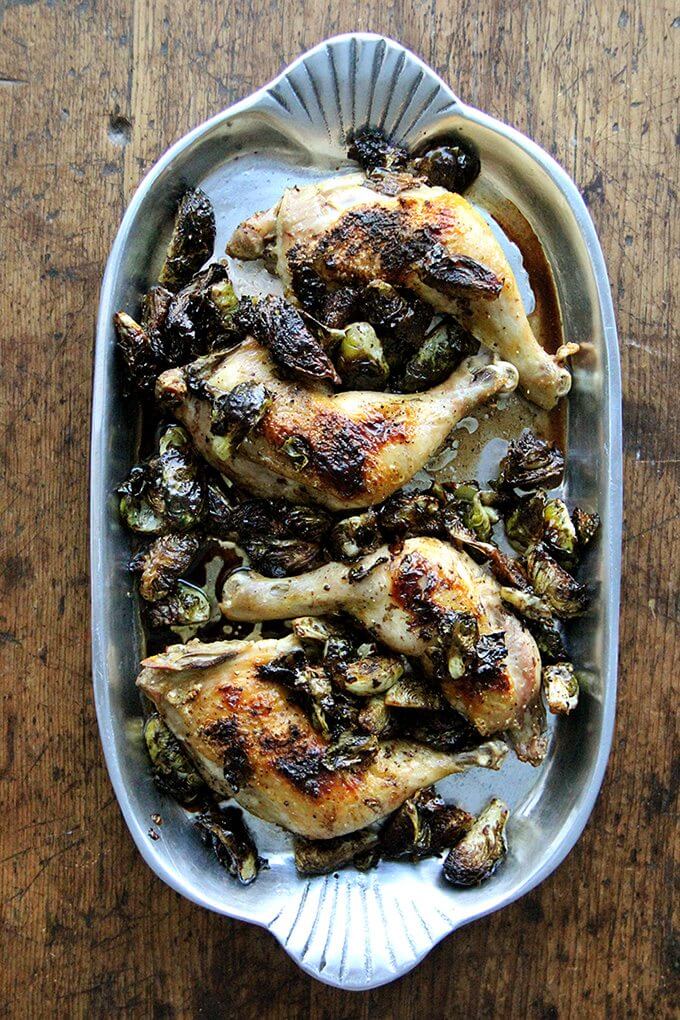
(236, 724)
(424, 238)
(400, 595)
(357, 447)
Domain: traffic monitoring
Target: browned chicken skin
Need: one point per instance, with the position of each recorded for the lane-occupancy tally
(251, 741)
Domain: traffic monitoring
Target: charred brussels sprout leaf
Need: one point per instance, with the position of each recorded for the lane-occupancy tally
(330, 712)
(422, 827)
(218, 512)
(167, 493)
(354, 536)
(279, 327)
(141, 362)
(524, 526)
(488, 660)
(172, 768)
(323, 856)
(296, 448)
(227, 835)
(372, 148)
(361, 362)
(163, 562)
(563, 592)
(368, 675)
(441, 352)
(559, 533)
(155, 308)
(192, 241)
(406, 515)
(480, 851)
(560, 687)
(531, 463)
(453, 167)
(548, 639)
(463, 633)
(237, 413)
(475, 515)
(185, 606)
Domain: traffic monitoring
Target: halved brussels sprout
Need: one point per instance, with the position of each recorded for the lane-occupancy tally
(526, 603)
(372, 148)
(139, 357)
(237, 413)
(172, 768)
(354, 537)
(167, 493)
(229, 837)
(560, 686)
(323, 856)
(453, 167)
(360, 358)
(414, 692)
(185, 606)
(163, 562)
(192, 241)
(351, 751)
(563, 592)
(278, 326)
(525, 524)
(441, 351)
(423, 826)
(443, 729)
(479, 517)
(586, 525)
(548, 639)
(368, 675)
(407, 515)
(374, 717)
(480, 851)
(531, 463)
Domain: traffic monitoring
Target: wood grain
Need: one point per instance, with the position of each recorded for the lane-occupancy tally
(90, 94)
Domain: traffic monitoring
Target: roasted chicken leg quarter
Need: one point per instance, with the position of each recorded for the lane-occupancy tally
(250, 740)
(407, 598)
(342, 450)
(344, 230)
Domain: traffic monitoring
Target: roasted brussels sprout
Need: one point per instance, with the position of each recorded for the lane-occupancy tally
(372, 148)
(488, 658)
(586, 525)
(406, 515)
(422, 827)
(559, 533)
(282, 557)
(338, 308)
(524, 525)
(562, 591)
(443, 729)
(229, 837)
(453, 167)
(463, 638)
(218, 508)
(163, 562)
(323, 856)
(237, 413)
(185, 606)
(367, 675)
(192, 241)
(354, 536)
(480, 851)
(279, 327)
(374, 717)
(360, 359)
(351, 751)
(560, 686)
(312, 631)
(548, 639)
(414, 692)
(196, 323)
(507, 570)
(475, 515)
(280, 538)
(442, 351)
(141, 362)
(168, 492)
(330, 711)
(155, 308)
(531, 463)
(172, 768)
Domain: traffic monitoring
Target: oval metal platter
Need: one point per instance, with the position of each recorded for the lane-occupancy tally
(354, 930)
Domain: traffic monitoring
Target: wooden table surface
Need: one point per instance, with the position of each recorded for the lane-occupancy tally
(91, 92)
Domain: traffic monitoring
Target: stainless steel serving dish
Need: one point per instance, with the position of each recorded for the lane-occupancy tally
(356, 930)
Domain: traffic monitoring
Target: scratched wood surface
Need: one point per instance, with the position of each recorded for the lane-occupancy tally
(91, 93)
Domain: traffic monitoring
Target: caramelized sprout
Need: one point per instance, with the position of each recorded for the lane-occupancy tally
(525, 525)
(563, 592)
(230, 839)
(372, 148)
(141, 362)
(414, 692)
(360, 359)
(163, 562)
(185, 606)
(167, 493)
(422, 827)
(323, 856)
(192, 241)
(374, 717)
(442, 351)
(280, 538)
(559, 534)
(531, 463)
(279, 327)
(475, 515)
(560, 687)
(548, 639)
(282, 557)
(237, 413)
(586, 526)
(354, 537)
(526, 603)
(368, 675)
(453, 167)
(480, 851)
(194, 325)
(172, 769)
(405, 515)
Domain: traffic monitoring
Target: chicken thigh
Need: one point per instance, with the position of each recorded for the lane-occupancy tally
(342, 450)
(406, 598)
(250, 740)
(345, 230)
